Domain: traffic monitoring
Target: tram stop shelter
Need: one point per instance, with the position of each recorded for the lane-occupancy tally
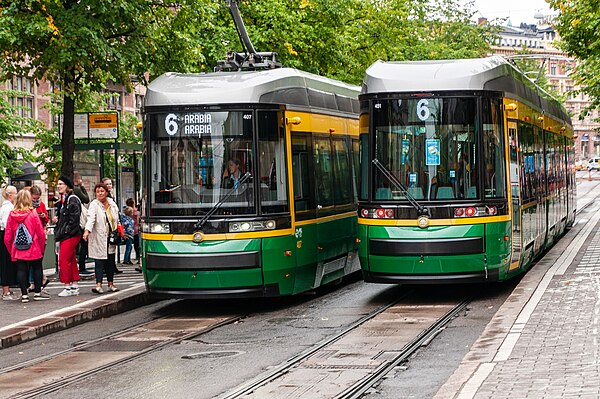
(98, 153)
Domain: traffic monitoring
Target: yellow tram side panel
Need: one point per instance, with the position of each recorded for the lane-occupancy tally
(308, 245)
(516, 111)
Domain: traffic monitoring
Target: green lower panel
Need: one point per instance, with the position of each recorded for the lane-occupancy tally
(203, 279)
(495, 254)
(427, 265)
(281, 265)
(278, 267)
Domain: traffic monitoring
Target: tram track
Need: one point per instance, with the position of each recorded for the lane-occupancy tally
(43, 375)
(336, 367)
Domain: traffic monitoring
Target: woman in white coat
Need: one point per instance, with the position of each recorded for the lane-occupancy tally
(103, 216)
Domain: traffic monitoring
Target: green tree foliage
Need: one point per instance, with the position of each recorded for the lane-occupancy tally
(85, 43)
(81, 45)
(341, 38)
(578, 25)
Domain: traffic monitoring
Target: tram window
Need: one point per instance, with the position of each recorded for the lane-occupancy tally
(272, 163)
(539, 162)
(321, 99)
(363, 169)
(342, 172)
(189, 153)
(526, 161)
(355, 168)
(301, 171)
(429, 145)
(323, 171)
(493, 147)
(550, 161)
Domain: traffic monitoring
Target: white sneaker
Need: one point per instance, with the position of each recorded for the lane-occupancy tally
(66, 292)
(75, 291)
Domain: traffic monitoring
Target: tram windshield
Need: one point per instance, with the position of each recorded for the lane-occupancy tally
(199, 158)
(430, 146)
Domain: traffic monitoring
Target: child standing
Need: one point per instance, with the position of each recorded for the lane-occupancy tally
(127, 222)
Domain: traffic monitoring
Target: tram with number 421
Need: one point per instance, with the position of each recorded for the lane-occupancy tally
(467, 171)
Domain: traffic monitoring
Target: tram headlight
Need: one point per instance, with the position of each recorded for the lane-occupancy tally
(260, 225)
(156, 228)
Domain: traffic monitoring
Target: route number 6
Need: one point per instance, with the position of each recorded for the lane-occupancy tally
(171, 124)
(423, 112)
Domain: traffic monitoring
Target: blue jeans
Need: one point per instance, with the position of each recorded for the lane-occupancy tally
(128, 247)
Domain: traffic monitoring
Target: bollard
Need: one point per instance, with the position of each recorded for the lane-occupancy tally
(590, 175)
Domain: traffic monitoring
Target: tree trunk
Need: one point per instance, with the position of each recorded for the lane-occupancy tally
(68, 132)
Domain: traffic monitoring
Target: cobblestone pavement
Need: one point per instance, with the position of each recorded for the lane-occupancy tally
(558, 353)
(544, 341)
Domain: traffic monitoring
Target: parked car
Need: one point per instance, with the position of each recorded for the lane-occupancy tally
(594, 164)
(578, 165)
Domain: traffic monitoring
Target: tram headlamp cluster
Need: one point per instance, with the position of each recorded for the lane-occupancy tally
(473, 211)
(240, 227)
(378, 213)
(156, 228)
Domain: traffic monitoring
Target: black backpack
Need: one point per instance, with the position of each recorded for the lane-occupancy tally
(23, 238)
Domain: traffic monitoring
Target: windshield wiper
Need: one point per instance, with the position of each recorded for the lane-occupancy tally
(216, 207)
(420, 208)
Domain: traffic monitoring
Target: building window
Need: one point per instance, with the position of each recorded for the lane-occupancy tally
(24, 98)
(553, 69)
(114, 101)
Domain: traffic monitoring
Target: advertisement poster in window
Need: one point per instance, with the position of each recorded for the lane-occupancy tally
(432, 156)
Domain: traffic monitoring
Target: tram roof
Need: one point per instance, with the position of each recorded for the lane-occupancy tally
(241, 87)
(491, 73)
(434, 75)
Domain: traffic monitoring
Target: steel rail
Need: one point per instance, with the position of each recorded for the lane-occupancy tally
(61, 383)
(358, 390)
(283, 368)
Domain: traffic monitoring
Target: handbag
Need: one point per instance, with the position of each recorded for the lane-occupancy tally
(114, 236)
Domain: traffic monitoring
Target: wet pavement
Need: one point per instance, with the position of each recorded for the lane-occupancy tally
(20, 322)
(544, 341)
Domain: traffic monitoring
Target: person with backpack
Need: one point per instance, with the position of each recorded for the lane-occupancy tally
(8, 271)
(68, 233)
(40, 208)
(25, 238)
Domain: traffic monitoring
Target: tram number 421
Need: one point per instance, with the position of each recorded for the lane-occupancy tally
(423, 111)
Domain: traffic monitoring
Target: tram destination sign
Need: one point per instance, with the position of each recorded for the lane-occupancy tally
(95, 125)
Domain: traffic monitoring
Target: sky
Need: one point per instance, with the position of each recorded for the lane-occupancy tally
(517, 11)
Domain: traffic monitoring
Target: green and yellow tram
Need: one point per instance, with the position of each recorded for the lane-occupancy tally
(249, 187)
(467, 171)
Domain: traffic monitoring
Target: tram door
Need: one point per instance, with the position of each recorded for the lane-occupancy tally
(323, 161)
(515, 170)
(304, 209)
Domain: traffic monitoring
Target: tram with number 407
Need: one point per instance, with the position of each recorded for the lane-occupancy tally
(467, 171)
(250, 187)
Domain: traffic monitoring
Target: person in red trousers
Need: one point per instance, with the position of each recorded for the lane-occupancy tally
(68, 233)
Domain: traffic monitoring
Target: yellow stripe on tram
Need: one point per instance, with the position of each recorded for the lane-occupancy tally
(434, 222)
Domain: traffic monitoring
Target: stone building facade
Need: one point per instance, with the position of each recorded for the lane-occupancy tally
(37, 94)
(539, 41)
